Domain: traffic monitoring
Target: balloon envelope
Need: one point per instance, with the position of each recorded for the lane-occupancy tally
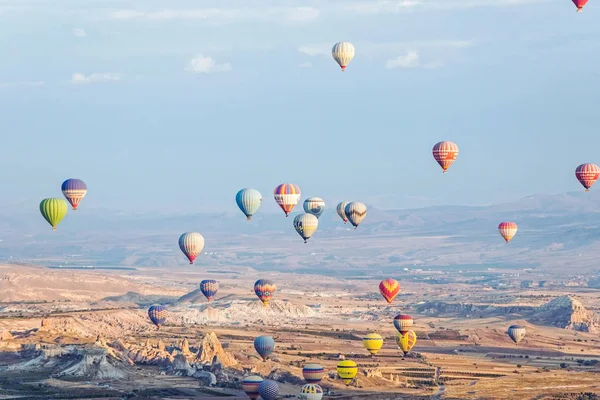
(341, 210)
(406, 341)
(264, 289)
(587, 175)
(373, 343)
(306, 225)
(287, 196)
(314, 206)
(402, 322)
(389, 289)
(517, 333)
(268, 390)
(445, 154)
(342, 53)
(311, 392)
(347, 371)
(53, 210)
(250, 386)
(191, 244)
(158, 315)
(74, 190)
(356, 213)
(507, 230)
(579, 4)
(249, 201)
(209, 288)
(313, 373)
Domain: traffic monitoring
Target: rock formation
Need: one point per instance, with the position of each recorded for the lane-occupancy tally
(567, 312)
(211, 352)
(5, 335)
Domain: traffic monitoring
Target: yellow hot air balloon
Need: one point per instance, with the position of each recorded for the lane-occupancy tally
(306, 225)
(373, 342)
(406, 341)
(53, 210)
(347, 371)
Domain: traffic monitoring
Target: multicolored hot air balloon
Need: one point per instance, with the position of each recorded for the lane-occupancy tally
(373, 343)
(158, 315)
(191, 244)
(343, 53)
(313, 373)
(74, 190)
(306, 225)
(445, 154)
(389, 289)
(341, 210)
(250, 386)
(406, 341)
(249, 201)
(579, 4)
(314, 206)
(53, 210)
(268, 390)
(507, 230)
(287, 196)
(264, 289)
(402, 322)
(209, 288)
(355, 212)
(516, 333)
(347, 370)
(587, 174)
(311, 392)
(264, 346)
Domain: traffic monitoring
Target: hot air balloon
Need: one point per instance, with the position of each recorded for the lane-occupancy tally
(158, 315)
(445, 154)
(287, 196)
(264, 346)
(311, 392)
(341, 210)
(579, 4)
(74, 190)
(373, 343)
(406, 341)
(191, 244)
(343, 53)
(355, 212)
(306, 225)
(53, 210)
(209, 288)
(268, 390)
(402, 322)
(516, 333)
(347, 370)
(249, 201)
(250, 386)
(389, 289)
(314, 206)
(313, 373)
(264, 289)
(587, 174)
(507, 230)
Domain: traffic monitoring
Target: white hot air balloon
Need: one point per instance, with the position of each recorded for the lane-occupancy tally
(314, 206)
(191, 244)
(355, 212)
(341, 207)
(306, 225)
(343, 53)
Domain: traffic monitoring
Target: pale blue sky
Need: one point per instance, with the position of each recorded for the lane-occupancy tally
(106, 91)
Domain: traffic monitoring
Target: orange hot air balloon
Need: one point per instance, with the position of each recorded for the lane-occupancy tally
(389, 288)
(587, 174)
(507, 230)
(445, 154)
(579, 4)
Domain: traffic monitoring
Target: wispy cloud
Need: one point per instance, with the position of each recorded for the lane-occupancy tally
(411, 60)
(31, 83)
(223, 15)
(201, 64)
(372, 49)
(96, 77)
(399, 6)
(78, 32)
(305, 65)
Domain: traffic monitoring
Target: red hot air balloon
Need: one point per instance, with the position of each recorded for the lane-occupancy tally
(507, 230)
(587, 174)
(389, 288)
(579, 4)
(445, 154)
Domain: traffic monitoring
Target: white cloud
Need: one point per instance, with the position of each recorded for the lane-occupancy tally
(410, 60)
(79, 78)
(398, 6)
(222, 15)
(305, 65)
(372, 49)
(13, 84)
(315, 50)
(78, 32)
(201, 64)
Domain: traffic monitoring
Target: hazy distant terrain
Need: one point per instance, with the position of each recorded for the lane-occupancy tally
(556, 233)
